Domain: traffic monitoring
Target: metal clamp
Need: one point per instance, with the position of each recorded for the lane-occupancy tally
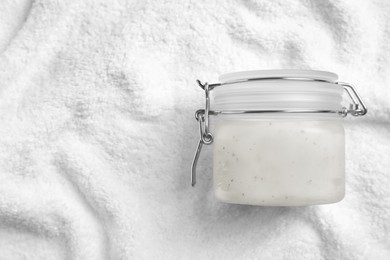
(202, 116)
(356, 108)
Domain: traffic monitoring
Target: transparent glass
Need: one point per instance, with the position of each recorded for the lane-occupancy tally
(279, 162)
(281, 158)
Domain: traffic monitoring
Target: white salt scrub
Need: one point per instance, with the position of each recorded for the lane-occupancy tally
(279, 162)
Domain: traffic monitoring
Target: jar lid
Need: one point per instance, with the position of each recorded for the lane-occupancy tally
(282, 73)
(278, 90)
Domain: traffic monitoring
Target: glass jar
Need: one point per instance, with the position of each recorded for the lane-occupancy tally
(278, 137)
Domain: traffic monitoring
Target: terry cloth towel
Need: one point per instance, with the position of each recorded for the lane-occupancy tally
(97, 128)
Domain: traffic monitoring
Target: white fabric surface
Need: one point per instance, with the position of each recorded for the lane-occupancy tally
(97, 130)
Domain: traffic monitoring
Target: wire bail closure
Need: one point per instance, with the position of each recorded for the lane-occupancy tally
(356, 108)
(202, 116)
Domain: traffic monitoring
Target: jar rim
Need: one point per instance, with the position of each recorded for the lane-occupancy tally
(278, 90)
(278, 74)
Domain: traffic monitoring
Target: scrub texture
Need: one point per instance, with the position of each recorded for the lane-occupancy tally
(279, 162)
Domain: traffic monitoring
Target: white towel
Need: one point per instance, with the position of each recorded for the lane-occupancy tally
(97, 131)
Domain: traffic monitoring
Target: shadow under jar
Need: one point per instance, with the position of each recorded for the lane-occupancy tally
(278, 136)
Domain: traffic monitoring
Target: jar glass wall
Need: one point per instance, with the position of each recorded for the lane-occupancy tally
(278, 136)
(279, 162)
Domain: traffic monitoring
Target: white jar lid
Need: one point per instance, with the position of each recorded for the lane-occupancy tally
(286, 73)
(278, 90)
